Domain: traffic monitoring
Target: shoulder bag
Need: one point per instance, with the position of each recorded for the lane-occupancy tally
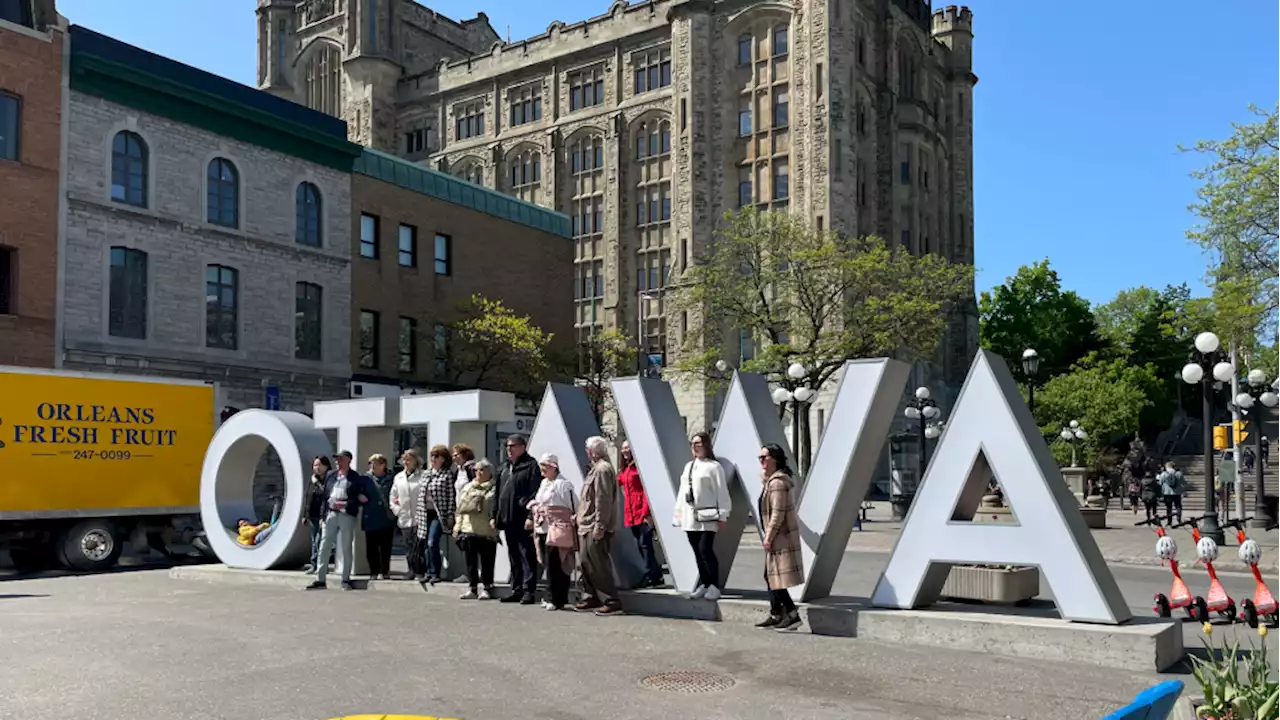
(702, 515)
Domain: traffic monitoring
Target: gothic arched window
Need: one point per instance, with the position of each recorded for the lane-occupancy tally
(324, 79)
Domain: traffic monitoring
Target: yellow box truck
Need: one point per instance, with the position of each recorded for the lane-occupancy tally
(89, 461)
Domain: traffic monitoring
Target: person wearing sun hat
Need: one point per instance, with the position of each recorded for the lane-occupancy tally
(552, 510)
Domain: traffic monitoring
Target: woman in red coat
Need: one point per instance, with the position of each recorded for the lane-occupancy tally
(637, 517)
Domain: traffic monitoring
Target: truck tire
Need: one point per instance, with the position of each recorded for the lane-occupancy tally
(91, 546)
(31, 558)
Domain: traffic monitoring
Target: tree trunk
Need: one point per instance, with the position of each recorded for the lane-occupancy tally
(806, 442)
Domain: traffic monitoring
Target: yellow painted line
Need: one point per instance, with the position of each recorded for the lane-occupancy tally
(391, 717)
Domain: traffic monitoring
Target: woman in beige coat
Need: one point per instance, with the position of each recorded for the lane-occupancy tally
(783, 563)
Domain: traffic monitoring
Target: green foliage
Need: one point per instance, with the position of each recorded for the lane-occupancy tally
(1107, 397)
(1236, 690)
(604, 356)
(491, 347)
(814, 297)
(1031, 310)
(1239, 225)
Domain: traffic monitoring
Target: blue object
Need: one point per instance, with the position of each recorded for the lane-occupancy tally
(272, 400)
(1154, 703)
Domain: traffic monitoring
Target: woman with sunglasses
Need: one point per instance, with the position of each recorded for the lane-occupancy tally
(783, 563)
(702, 506)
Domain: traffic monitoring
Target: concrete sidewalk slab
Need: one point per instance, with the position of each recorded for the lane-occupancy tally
(1141, 645)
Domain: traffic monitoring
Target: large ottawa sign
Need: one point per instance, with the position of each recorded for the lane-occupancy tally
(990, 434)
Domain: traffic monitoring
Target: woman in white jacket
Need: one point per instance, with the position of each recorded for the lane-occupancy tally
(404, 505)
(702, 506)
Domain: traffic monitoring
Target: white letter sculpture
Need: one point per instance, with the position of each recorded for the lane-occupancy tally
(991, 432)
(226, 485)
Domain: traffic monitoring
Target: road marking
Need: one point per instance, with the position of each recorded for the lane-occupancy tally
(707, 626)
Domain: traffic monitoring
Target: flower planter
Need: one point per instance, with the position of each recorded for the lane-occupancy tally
(992, 584)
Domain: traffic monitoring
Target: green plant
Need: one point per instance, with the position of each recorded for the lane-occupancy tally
(1235, 690)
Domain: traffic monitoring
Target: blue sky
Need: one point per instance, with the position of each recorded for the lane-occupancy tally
(1078, 114)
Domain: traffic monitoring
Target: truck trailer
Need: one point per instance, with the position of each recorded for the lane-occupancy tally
(89, 462)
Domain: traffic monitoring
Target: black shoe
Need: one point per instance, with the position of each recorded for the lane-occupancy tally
(433, 579)
(789, 622)
(317, 585)
(771, 621)
(528, 599)
(348, 586)
(512, 598)
(609, 609)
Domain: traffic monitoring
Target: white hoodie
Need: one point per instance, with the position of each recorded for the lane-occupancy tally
(710, 491)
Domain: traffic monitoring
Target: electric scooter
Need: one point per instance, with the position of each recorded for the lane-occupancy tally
(1263, 603)
(1179, 596)
(1207, 551)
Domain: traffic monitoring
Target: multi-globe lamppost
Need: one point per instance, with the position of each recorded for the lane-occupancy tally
(1208, 367)
(1073, 434)
(798, 396)
(1254, 401)
(922, 408)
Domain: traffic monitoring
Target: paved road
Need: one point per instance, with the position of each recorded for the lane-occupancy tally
(139, 645)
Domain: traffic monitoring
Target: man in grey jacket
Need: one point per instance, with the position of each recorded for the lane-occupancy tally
(1172, 486)
(597, 520)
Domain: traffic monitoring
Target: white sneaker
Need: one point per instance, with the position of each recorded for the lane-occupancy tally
(549, 607)
(468, 595)
(712, 594)
(484, 594)
(698, 593)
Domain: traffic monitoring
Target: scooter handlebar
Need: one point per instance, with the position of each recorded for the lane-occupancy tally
(1238, 523)
(1188, 521)
(1150, 521)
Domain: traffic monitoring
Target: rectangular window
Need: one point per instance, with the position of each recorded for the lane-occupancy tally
(10, 122)
(746, 346)
(408, 345)
(468, 120)
(17, 12)
(904, 172)
(906, 238)
(744, 50)
(442, 350)
(860, 49)
(415, 141)
(308, 305)
(652, 70)
(526, 105)
(586, 88)
(444, 254)
(744, 117)
(127, 311)
(368, 339)
(818, 80)
(781, 40)
(221, 303)
(407, 246)
(8, 264)
(781, 181)
(368, 235)
(781, 108)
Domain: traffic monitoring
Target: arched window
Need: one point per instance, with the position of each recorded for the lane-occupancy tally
(129, 169)
(324, 79)
(308, 215)
(471, 171)
(224, 193)
(906, 74)
(653, 139)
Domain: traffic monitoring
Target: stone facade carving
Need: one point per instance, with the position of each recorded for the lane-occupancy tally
(860, 115)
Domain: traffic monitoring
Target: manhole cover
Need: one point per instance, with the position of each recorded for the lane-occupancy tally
(687, 682)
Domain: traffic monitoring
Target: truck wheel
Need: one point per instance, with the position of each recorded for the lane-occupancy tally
(91, 546)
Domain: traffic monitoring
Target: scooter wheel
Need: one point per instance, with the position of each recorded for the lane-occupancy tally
(1201, 614)
(1162, 608)
(1249, 613)
(1229, 612)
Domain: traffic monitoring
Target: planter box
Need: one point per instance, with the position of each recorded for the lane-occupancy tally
(992, 585)
(1095, 518)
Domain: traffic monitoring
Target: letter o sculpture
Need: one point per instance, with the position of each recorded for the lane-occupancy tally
(226, 486)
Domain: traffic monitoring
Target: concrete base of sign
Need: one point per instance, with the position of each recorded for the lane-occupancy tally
(1095, 518)
(1141, 645)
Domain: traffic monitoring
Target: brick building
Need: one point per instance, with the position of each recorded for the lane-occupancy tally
(207, 230)
(31, 86)
(423, 242)
(645, 124)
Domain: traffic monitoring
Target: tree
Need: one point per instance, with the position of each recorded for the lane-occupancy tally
(1107, 397)
(491, 347)
(1031, 310)
(1239, 225)
(815, 297)
(604, 355)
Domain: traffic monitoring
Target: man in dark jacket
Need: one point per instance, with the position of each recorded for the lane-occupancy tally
(518, 483)
(344, 494)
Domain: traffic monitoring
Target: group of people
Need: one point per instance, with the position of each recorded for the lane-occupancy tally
(543, 520)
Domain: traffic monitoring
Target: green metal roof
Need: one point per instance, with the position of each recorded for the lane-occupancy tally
(419, 179)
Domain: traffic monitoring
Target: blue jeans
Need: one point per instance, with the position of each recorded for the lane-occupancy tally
(435, 531)
(643, 534)
(316, 527)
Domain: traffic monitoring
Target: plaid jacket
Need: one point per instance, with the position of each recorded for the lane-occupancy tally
(438, 486)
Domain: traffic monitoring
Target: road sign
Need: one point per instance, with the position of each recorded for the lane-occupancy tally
(272, 399)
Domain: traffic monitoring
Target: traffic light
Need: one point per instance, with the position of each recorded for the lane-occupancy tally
(1219, 437)
(1242, 432)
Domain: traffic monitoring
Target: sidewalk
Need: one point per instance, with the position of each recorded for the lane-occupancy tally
(1121, 543)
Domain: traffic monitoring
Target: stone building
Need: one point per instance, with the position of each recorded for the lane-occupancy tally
(207, 231)
(31, 84)
(647, 123)
(424, 242)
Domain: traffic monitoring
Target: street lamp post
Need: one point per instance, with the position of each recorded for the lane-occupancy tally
(1206, 368)
(922, 408)
(1073, 434)
(798, 396)
(1031, 368)
(1255, 401)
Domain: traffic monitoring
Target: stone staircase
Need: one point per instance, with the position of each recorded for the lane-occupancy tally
(1192, 467)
